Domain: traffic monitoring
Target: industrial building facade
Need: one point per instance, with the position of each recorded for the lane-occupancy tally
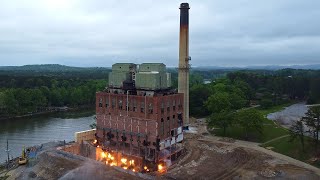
(139, 114)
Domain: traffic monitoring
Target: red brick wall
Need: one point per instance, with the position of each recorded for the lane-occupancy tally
(138, 122)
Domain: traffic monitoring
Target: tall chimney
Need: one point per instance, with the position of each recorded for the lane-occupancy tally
(183, 79)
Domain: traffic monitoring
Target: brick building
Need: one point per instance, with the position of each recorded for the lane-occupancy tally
(139, 114)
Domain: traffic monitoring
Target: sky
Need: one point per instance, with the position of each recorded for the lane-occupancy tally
(103, 32)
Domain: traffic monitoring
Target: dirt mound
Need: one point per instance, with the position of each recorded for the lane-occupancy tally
(55, 164)
(209, 158)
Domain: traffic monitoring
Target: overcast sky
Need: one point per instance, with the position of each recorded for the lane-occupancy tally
(102, 32)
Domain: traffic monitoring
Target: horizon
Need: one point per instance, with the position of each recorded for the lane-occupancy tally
(209, 67)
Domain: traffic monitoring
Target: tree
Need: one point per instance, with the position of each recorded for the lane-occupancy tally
(195, 79)
(250, 119)
(314, 91)
(312, 120)
(198, 95)
(218, 102)
(9, 101)
(222, 119)
(297, 131)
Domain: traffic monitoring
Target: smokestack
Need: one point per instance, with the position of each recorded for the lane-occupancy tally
(184, 66)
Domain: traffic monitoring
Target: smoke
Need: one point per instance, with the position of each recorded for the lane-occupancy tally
(87, 171)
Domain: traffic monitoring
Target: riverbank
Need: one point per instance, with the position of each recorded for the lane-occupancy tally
(36, 130)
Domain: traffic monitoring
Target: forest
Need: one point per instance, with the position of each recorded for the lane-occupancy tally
(34, 88)
(242, 88)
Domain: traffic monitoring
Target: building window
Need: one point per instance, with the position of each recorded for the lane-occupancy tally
(100, 102)
(107, 102)
(179, 104)
(150, 108)
(168, 125)
(162, 107)
(113, 103)
(142, 107)
(174, 105)
(180, 121)
(168, 105)
(162, 127)
(128, 105)
(173, 119)
(120, 104)
(134, 105)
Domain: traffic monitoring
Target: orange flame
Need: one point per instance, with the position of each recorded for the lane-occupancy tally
(124, 160)
(160, 167)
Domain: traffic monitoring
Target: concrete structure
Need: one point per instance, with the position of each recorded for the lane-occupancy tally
(139, 115)
(85, 135)
(184, 58)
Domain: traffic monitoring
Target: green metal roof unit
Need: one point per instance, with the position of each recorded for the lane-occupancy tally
(152, 67)
(151, 80)
(116, 78)
(120, 73)
(124, 67)
(148, 81)
(149, 76)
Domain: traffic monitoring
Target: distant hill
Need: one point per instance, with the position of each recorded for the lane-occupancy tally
(48, 68)
(269, 67)
(56, 70)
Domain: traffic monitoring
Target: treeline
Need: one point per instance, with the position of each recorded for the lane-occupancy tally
(71, 93)
(240, 89)
(55, 70)
(38, 88)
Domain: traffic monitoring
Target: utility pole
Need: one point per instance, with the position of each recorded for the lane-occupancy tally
(8, 150)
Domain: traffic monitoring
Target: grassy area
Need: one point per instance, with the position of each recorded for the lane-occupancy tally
(270, 129)
(294, 149)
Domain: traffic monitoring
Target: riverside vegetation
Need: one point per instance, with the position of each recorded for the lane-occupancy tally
(235, 102)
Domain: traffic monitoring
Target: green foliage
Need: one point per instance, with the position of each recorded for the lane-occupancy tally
(226, 96)
(250, 120)
(297, 131)
(198, 95)
(266, 103)
(312, 120)
(195, 79)
(219, 102)
(21, 94)
(222, 120)
(314, 91)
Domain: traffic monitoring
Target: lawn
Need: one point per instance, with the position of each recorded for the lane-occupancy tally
(270, 129)
(294, 148)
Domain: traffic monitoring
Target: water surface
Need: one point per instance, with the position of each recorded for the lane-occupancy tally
(31, 131)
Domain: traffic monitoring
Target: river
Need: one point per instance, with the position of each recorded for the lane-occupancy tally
(31, 131)
(289, 115)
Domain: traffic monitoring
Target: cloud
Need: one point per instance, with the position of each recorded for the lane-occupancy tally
(100, 33)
